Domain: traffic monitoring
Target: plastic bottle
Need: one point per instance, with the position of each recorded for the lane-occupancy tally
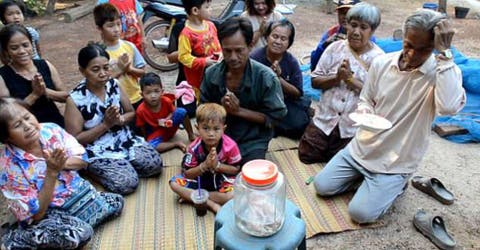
(259, 199)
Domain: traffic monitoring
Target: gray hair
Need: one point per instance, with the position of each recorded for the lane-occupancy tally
(424, 20)
(365, 12)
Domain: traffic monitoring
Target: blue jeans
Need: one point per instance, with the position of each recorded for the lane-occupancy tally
(376, 192)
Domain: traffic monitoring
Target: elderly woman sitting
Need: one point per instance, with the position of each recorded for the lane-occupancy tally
(55, 207)
(340, 73)
(280, 36)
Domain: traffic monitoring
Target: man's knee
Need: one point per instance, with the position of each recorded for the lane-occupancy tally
(323, 186)
(362, 214)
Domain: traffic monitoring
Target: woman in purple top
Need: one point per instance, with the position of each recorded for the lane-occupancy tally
(280, 36)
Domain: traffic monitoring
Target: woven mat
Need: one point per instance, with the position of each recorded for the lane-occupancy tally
(321, 215)
(153, 219)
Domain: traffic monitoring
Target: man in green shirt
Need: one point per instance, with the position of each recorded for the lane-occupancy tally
(249, 91)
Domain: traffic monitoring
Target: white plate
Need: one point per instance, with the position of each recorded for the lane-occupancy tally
(370, 121)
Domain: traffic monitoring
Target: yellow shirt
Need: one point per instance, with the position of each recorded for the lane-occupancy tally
(128, 83)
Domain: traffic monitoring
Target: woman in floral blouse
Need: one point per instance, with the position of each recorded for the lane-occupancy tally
(340, 74)
(54, 206)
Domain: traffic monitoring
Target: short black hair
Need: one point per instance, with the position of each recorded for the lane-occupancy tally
(89, 52)
(8, 31)
(234, 24)
(5, 116)
(281, 23)
(150, 79)
(190, 4)
(7, 3)
(103, 13)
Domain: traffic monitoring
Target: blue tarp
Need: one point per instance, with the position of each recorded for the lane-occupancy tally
(469, 116)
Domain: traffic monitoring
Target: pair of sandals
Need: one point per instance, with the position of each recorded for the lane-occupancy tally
(433, 227)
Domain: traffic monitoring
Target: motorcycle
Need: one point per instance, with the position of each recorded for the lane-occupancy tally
(157, 33)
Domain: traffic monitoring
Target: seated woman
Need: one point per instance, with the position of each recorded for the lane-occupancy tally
(97, 114)
(37, 82)
(55, 207)
(280, 36)
(340, 73)
(260, 13)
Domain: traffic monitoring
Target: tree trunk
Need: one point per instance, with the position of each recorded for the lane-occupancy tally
(50, 7)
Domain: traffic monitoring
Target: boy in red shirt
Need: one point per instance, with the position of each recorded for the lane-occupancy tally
(157, 118)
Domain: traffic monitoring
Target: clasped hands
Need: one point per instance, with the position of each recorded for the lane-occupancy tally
(124, 63)
(56, 160)
(211, 162)
(230, 102)
(345, 74)
(38, 85)
(113, 117)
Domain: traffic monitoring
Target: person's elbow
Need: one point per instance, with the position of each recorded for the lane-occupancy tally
(451, 107)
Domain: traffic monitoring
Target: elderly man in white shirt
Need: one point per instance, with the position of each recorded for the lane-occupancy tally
(408, 88)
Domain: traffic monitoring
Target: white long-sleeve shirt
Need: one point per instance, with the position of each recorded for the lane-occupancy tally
(410, 100)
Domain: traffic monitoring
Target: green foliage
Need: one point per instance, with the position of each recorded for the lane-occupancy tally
(37, 6)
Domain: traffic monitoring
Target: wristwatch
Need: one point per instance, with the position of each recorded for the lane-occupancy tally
(447, 54)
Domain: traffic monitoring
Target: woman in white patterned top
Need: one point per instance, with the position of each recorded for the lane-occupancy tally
(340, 74)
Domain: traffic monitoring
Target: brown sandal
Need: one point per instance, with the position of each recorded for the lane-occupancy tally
(434, 188)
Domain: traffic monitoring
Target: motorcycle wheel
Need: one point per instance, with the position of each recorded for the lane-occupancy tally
(158, 32)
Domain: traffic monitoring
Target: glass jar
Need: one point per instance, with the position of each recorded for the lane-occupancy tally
(259, 198)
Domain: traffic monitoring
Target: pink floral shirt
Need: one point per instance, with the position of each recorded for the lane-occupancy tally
(336, 103)
(22, 174)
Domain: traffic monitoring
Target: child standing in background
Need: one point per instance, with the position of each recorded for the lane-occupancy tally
(198, 45)
(213, 156)
(126, 61)
(157, 118)
(132, 26)
(13, 12)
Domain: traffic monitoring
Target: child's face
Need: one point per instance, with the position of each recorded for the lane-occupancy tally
(13, 14)
(111, 30)
(211, 131)
(23, 128)
(97, 71)
(19, 49)
(204, 11)
(151, 95)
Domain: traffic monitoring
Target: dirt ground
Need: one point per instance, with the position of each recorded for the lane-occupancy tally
(454, 164)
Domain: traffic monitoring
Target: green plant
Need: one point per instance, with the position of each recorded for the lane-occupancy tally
(37, 6)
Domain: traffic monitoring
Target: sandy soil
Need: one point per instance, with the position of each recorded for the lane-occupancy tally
(454, 164)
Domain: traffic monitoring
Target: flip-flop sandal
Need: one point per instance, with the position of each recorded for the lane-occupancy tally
(434, 188)
(434, 229)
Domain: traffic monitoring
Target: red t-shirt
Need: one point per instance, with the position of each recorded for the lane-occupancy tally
(149, 120)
